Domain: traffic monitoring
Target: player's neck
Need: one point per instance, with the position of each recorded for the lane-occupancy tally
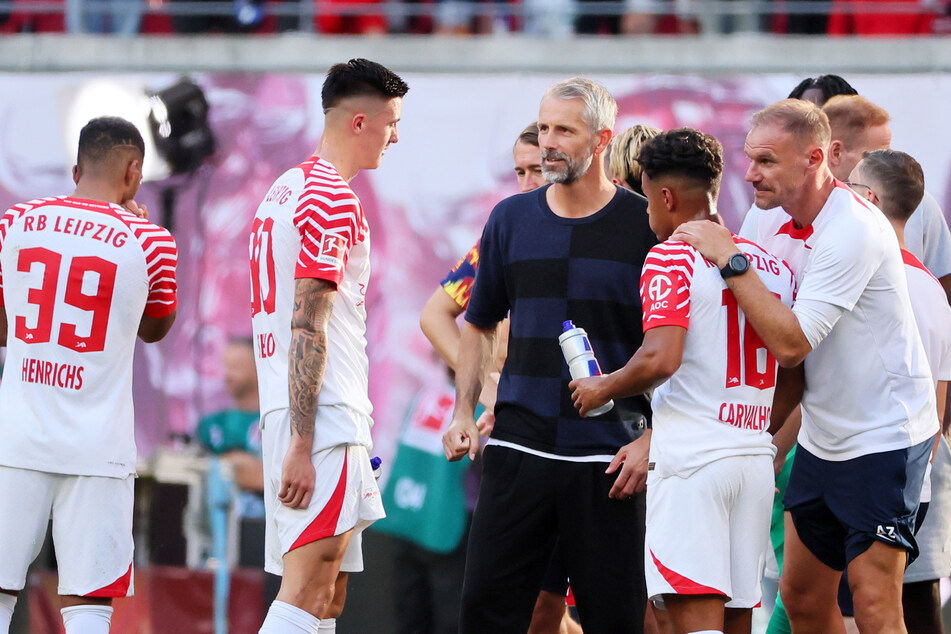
(814, 195)
(586, 196)
(339, 155)
(899, 227)
(88, 189)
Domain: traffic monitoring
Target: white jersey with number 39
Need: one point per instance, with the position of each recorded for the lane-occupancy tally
(717, 404)
(77, 277)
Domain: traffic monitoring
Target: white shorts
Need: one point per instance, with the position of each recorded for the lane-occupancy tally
(706, 534)
(92, 530)
(934, 538)
(346, 495)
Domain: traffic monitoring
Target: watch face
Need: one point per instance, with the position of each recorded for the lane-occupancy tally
(739, 263)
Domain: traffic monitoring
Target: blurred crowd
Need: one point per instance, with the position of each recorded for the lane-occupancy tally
(546, 18)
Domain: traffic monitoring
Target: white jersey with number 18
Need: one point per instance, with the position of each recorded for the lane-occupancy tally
(717, 404)
(77, 277)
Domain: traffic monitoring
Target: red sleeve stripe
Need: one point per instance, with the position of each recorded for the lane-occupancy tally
(161, 260)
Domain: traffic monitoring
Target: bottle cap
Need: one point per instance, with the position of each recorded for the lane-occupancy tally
(375, 462)
(567, 325)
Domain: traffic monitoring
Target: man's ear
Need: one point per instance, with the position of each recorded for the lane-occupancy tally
(603, 140)
(358, 122)
(836, 150)
(77, 174)
(670, 199)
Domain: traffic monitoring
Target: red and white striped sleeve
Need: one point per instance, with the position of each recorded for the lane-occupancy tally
(330, 221)
(161, 259)
(665, 285)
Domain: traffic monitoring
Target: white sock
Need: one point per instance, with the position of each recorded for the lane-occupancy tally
(327, 626)
(284, 618)
(7, 603)
(87, 619)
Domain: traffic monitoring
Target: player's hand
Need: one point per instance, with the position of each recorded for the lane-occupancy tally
(632, 458)
(460, 439)
(297, 479)
(589, 393)
(142, 211)
(712, 240)
(486, 423)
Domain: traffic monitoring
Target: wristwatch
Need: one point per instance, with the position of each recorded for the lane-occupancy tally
(738, 264)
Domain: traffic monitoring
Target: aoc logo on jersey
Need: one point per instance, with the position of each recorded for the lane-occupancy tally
(657, 290)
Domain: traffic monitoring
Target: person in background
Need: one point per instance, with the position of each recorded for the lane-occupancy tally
(895, 182)
(859, 126)
(820, 89)
(620, 161)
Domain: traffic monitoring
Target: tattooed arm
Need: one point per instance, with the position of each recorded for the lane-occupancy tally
(307, 358)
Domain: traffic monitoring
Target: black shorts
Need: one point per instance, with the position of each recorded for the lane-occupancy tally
(840, 507)
(527, 503)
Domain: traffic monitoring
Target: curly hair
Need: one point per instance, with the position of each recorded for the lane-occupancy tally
(684, 152)
(828, 85)
(622, 154)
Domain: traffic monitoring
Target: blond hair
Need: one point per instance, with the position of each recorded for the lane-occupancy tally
(851, 115)
(622, 154)
(802, 119)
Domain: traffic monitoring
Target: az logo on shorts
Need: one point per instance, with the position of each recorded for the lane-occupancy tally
(886, 532)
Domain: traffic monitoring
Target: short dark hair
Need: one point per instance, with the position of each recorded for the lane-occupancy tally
(357, 78)
(899, 180)
(829, 85)
(102, 135)
(529, 135)
(684, 152)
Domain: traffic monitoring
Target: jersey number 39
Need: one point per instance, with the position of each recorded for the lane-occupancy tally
(99, 303)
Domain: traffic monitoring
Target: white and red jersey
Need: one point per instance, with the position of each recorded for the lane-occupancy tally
(311, 225)
(717, 404)
(77, 277)
(868, 385)
(932, 314)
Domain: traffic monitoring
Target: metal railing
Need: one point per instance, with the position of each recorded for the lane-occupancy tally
(532, 16)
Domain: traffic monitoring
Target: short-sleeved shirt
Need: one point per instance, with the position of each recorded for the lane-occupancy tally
(868, 385)
(717, 404)
(928, 238)
(311, 225)
(458, 282)
(546, 269)
(77, 276)
(932, 314)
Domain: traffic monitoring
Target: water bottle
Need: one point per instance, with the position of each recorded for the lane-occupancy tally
(376, 464)
(580, 358)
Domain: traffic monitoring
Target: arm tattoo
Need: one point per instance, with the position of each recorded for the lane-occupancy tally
(307, 356)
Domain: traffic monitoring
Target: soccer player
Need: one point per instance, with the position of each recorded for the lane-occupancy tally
(569, 250)
(868, 409)
(895, 182)
(859, 126)
(709, 485)
(82, 276)
(310, 264)
(620, 160)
